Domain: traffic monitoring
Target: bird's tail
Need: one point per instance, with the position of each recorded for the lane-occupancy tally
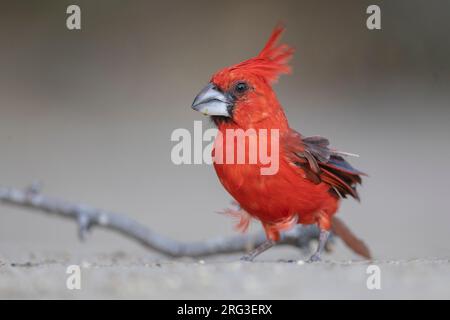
(350, 239)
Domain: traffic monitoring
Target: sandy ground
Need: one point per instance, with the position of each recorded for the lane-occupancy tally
(123, 275)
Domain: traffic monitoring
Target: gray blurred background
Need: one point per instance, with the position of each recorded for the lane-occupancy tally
(90, 113)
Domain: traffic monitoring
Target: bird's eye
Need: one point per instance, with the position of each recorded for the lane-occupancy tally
(241, 87)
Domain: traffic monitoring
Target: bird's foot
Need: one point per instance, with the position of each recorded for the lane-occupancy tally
(247, 258)
(314, 258)
(258, 250)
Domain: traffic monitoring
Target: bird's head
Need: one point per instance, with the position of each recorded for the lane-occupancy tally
(243, 93)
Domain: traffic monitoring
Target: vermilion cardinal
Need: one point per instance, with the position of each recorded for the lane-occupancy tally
(311, 178)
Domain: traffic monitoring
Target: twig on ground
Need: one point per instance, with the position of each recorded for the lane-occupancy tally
(88, 217)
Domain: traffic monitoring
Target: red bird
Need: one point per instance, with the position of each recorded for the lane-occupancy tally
(311, 177)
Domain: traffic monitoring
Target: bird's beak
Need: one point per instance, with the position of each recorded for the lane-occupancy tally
(210, 101)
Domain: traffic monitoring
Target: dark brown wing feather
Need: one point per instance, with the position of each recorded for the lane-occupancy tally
(322, 164)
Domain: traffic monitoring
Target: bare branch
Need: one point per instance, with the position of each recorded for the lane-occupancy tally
(88, 217)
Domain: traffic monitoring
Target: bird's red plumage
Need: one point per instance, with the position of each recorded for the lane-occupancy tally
(307, 188)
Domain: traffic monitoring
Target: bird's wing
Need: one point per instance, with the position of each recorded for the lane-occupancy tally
(322, 164)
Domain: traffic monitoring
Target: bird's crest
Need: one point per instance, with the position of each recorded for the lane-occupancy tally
(272, 61)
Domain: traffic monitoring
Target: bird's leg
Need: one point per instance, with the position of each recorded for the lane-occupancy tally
(258, 250)
(323, 237)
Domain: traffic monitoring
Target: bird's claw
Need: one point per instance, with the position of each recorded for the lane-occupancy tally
(247, 258)
(314, 258)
